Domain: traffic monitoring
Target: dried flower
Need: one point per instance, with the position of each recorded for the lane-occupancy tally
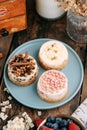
(77, 6)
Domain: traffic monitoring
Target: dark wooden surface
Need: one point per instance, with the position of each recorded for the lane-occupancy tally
(40, 28)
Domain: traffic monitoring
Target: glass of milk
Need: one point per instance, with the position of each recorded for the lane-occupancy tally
(49, 9)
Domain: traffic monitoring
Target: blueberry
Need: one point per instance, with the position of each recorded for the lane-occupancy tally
(51, 119)
(63, 123)
(48, 124)
(63, 128)
(58, 120)
(55, 126)
(69, 120)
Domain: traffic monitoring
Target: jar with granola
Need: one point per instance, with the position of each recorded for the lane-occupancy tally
(77, 27)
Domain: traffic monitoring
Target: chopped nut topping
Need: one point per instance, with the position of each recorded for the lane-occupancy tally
(22, 65)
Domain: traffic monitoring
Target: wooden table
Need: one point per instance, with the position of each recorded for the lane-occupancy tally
(40, 28)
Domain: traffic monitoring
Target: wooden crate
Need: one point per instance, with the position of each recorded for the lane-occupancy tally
(12, 16)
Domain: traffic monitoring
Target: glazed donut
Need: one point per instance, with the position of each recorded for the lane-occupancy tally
(53, 55)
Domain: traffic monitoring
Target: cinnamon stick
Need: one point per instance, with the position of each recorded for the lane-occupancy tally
(18, 63)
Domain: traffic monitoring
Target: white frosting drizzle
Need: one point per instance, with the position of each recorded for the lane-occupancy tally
(53, 53)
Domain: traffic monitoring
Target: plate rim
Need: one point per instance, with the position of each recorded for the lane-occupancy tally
(46, 39)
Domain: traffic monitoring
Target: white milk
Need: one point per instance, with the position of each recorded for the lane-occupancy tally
(49, 9)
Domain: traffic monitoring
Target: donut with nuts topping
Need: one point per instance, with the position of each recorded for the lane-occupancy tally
(22, 69)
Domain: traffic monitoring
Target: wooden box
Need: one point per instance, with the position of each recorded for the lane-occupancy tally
(12, 16)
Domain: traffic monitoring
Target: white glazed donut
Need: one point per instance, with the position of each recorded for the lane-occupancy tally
(53, 55)
(22, 69)
(52, 86)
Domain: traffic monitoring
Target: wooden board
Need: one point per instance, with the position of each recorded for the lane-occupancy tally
(14, 24)
(10, 9)
(2, 0)
(13, 16)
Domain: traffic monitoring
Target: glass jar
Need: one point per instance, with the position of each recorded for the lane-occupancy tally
(49, 9)
(77, 27)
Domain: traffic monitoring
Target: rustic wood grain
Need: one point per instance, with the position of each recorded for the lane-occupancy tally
(84, 89)
(5, 44)
(41, 28)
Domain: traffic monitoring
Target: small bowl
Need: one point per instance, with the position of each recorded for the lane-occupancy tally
(77, 122)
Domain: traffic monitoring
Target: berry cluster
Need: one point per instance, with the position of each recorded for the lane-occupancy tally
(58, 123)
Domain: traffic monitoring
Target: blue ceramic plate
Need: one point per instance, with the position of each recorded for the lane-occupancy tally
(28, 95)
